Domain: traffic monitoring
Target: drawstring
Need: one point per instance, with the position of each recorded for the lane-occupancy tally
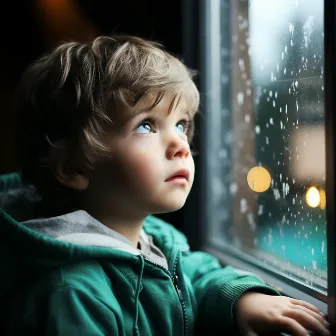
(135, 326)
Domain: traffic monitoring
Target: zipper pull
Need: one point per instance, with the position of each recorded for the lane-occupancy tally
(176, 285)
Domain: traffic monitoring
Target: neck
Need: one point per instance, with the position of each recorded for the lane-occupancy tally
(128, 227)
(117, 216)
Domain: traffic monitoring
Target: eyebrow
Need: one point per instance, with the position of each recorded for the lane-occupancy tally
(172, 106)
(191, 113)
(174, 103)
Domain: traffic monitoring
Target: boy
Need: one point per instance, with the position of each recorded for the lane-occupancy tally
(104, 141)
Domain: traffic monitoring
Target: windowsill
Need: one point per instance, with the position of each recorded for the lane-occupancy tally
(280, 282)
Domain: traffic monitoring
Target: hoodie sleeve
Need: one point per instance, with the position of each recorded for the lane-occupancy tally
(10, 181)
(218, 288)
(74, 311)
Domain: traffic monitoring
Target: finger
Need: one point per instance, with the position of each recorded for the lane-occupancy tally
(289, 325)
(307, 305)
(317, 316)
(308, 321)
(264, 333)
(252, 333)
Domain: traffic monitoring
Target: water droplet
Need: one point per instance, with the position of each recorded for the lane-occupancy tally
(241, 64)
(243, 205)
(233, 188)
(240, 98)
(260, 209)
(291, 28)
(285, 189)
(276, 193)
(251, 221)
(257, 129)
(270, 237)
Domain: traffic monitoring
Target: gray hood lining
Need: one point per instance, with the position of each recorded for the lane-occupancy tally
(81, 228)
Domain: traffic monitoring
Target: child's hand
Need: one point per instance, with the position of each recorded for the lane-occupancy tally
(260, 314)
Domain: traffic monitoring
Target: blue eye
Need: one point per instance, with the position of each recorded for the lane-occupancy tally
(144, 128)
(182, 127)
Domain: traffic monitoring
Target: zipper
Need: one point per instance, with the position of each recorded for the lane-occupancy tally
(179, 293)
(175, 281)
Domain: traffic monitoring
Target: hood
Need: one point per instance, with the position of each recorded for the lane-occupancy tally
(31, 247)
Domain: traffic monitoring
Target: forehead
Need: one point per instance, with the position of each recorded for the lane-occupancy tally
(165, 103)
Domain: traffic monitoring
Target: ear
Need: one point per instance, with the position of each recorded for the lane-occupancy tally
(71, 178)
(68, 171)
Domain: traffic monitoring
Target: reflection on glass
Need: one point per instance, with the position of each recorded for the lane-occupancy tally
(277, 122)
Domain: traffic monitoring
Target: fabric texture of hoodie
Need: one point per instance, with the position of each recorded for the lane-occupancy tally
(71, 275)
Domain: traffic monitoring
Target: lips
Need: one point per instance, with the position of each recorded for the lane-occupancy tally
(182, 173)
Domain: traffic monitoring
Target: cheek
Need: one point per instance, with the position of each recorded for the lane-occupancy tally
(139, 166)
(191, 164)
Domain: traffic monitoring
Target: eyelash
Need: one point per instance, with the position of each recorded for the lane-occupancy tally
(151, 121)
(186, 124)
(148, 120)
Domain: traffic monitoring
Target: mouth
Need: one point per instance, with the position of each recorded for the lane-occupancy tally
(182, 174)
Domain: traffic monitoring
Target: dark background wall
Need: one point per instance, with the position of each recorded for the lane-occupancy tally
(29, 28)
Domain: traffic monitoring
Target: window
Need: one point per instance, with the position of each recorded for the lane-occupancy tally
(264, 142)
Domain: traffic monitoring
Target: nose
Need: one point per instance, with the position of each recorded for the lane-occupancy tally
(178, 147)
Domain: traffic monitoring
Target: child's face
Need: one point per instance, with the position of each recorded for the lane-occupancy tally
(147, 151)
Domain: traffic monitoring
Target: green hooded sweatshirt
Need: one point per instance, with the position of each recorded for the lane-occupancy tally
(70, 275)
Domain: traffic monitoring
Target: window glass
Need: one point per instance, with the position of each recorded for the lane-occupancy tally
(269, 198)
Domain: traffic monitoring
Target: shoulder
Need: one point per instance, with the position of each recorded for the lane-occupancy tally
(77, 299)
(86, 276)
(72, 291)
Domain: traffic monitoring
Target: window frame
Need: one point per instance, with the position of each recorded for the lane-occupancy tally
(199, 208)
(330, 107)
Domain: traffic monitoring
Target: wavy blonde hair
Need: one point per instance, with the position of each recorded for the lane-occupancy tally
(74, 93)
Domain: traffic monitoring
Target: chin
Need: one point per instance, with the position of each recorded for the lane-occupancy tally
(172, 206)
